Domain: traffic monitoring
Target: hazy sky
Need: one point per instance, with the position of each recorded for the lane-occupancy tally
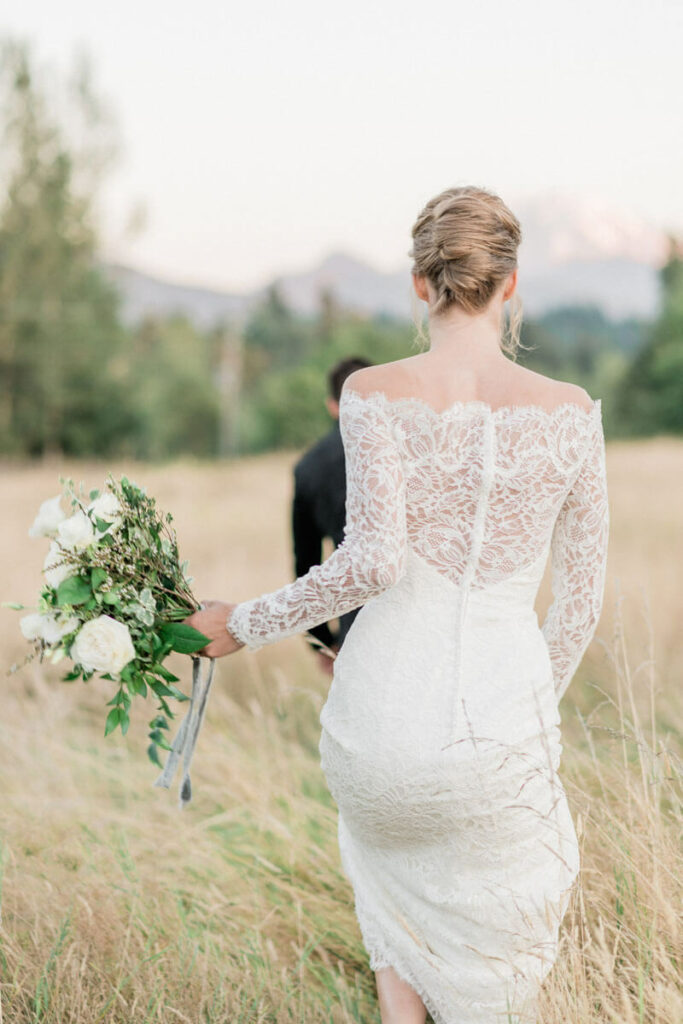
(261, 135)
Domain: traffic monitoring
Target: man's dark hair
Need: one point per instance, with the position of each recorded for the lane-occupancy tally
(341, 371)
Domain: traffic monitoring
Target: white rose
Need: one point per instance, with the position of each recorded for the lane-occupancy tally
(107, 508)
(50, 628)
(32, 626)
(50, 515)
(103, 645)
(55, 627)
(54, 573)
(76, 532)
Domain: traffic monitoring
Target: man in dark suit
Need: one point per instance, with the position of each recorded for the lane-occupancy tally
(319, 505)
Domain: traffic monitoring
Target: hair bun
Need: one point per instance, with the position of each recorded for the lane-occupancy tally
(465, 242)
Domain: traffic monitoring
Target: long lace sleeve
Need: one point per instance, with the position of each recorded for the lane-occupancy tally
(372, 555)
(578, 562)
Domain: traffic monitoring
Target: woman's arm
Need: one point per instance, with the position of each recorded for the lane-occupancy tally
(578, 561)
(370, 559)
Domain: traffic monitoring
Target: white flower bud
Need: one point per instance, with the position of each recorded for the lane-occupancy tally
(50, 515)
(55, 573)
(76, 532)
(107, 508)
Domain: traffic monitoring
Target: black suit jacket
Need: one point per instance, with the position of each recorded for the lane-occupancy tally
(318, 511)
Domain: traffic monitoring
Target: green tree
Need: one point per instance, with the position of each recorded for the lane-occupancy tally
(286, 408)
(650, 395)
(173, 390)
(275, 337)
(61, 372)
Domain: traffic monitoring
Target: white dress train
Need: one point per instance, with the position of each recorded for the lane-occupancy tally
(440, 735)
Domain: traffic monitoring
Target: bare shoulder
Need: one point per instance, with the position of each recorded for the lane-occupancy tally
(568, 392)
(549, 392)
(380, 377)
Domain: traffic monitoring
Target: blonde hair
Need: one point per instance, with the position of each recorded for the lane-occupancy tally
(465, 242)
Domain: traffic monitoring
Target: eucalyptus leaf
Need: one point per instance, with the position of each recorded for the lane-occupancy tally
(138, 685)
(153, 755)
(184, 639)
(178, 694)
(160, 689)
(113, 719)
(97, 577)
(74, 591)
(145, 616)
(162, 671)
(157, 737)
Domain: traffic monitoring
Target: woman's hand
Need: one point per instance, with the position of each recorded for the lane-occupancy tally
(211, 621)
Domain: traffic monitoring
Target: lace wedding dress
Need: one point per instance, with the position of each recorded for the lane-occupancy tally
(440, 735)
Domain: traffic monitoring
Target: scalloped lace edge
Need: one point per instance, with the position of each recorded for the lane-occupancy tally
(475, 404)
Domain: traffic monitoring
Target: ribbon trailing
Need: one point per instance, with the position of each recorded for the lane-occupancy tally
(186, 737)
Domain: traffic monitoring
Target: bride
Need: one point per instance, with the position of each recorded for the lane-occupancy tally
(440, 735)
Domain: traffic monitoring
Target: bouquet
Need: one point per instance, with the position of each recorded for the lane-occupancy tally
(112, 602)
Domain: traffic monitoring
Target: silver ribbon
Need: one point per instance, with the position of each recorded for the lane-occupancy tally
(186, 737)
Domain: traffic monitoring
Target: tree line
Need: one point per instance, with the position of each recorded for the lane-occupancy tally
(76, 380)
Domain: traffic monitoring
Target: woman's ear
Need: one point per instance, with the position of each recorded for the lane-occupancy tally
(511, 285)
(420, 285)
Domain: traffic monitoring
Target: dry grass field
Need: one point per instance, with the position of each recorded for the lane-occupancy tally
(117, 907)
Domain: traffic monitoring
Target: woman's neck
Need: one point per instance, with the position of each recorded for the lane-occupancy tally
(471, 340)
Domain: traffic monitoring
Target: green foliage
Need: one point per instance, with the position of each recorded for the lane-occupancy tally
(182, 638)
(275, 333)
(650, 395)
(74, 591)
(286, 408)
(118, 716)
(60, 337)
(172, 390)
(571, 341)
(73, 379)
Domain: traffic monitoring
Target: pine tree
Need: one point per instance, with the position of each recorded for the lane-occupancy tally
(60, 334)
(650, 397)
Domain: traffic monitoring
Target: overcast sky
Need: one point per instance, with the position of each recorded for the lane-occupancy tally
(259, 136)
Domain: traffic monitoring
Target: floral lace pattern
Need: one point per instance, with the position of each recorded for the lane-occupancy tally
(415, 478)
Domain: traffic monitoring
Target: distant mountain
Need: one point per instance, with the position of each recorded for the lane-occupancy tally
(581, 250)
(356, 285)
(144, 295)
(573, 252)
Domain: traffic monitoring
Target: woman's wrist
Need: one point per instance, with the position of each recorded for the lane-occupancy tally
(237, 639)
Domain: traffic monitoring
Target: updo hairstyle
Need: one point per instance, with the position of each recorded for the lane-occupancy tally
(465, 242)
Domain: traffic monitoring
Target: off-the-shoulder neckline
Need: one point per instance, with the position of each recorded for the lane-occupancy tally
(475, 404)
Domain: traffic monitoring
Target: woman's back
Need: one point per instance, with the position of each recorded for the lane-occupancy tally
(483, 484)
(479, 493)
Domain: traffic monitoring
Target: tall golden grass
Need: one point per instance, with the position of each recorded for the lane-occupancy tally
(117, 907)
